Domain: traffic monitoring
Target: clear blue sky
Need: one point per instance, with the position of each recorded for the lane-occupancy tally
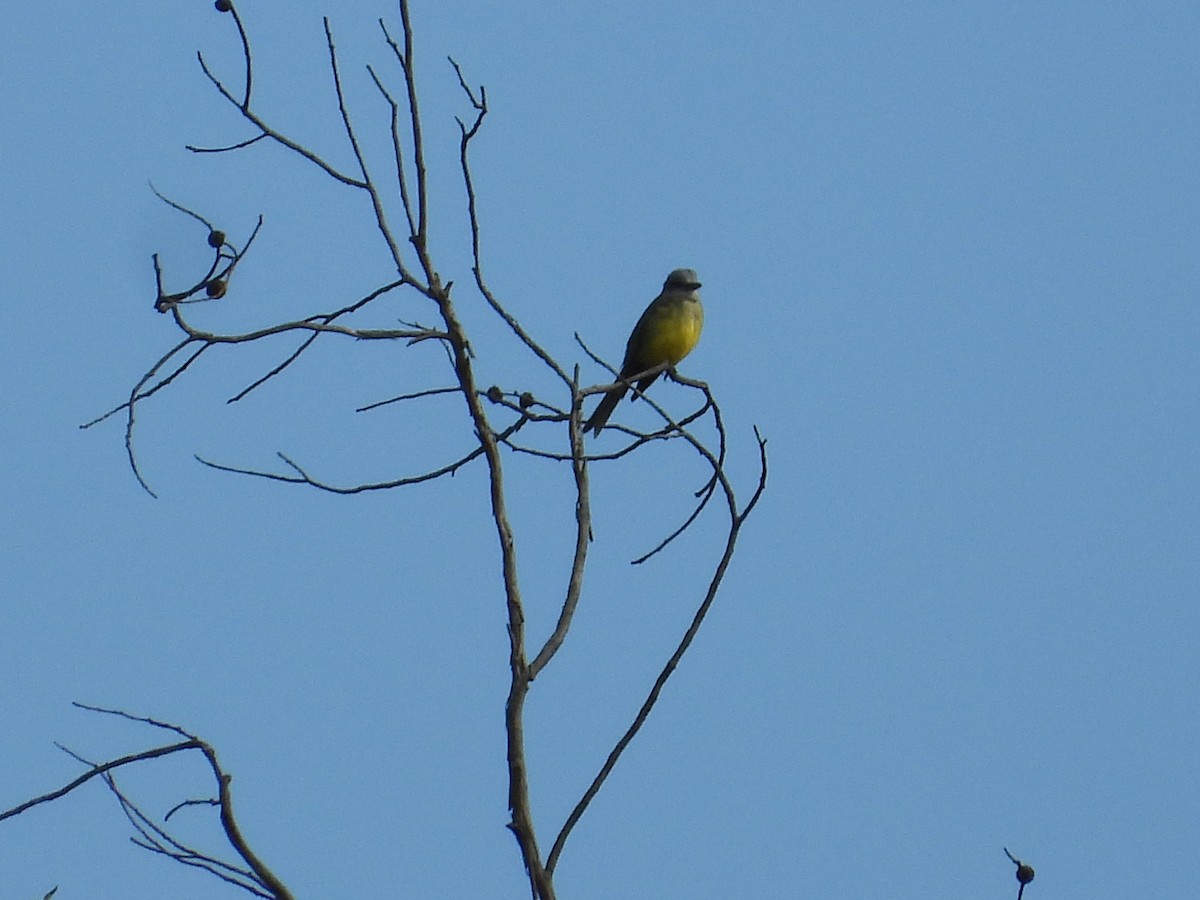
(950, 263)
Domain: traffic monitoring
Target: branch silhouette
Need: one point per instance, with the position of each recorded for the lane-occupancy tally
(496, 420)
(253, 875)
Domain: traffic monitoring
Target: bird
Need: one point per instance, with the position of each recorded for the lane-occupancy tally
(667, 332)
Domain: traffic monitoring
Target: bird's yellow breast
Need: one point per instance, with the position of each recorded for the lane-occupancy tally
(669, 331)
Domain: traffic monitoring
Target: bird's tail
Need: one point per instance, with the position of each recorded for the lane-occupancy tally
(607, 404)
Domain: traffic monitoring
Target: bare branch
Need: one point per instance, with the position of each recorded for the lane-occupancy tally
(245, 53)
(274, 135)
(583, 535)
(155, 839)
(100, 769)
(737, 519)
(420, 237)
(271, 886)
(408, 151)
(229, 148)
(133, 398)
(161, 384)
(313, 325)
(479, 102)
(308, 341)
(367, 183)
(302, 477)
(397, 148)
(179, 207)
(432, 392)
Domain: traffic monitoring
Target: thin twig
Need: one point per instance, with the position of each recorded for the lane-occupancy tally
(421, 236)
(157, 840)
(228, 148)
(367, 183)
(100, 769)
(479, 102)
(397, 147)
(274, 135)
(302, 477)
(362, 334)
(308, 341)
(150, 391)
(432, 392)
(229, 824)
(245, 53)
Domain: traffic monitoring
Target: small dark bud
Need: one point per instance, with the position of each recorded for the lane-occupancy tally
(223, 5)
(526, 400)
(1024, 873)
(216, 288)
(495, 394)
(216, 239)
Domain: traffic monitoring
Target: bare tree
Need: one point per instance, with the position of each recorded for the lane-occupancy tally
(501, 420)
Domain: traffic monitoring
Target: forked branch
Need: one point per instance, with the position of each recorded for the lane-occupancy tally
(253, 875)
(547, 428)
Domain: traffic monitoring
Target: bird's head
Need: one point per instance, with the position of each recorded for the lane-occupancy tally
(682, 280)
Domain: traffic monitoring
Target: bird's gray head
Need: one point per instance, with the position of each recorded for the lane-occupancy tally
(682, 280)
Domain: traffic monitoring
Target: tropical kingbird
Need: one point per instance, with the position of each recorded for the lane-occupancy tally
(666, 333)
